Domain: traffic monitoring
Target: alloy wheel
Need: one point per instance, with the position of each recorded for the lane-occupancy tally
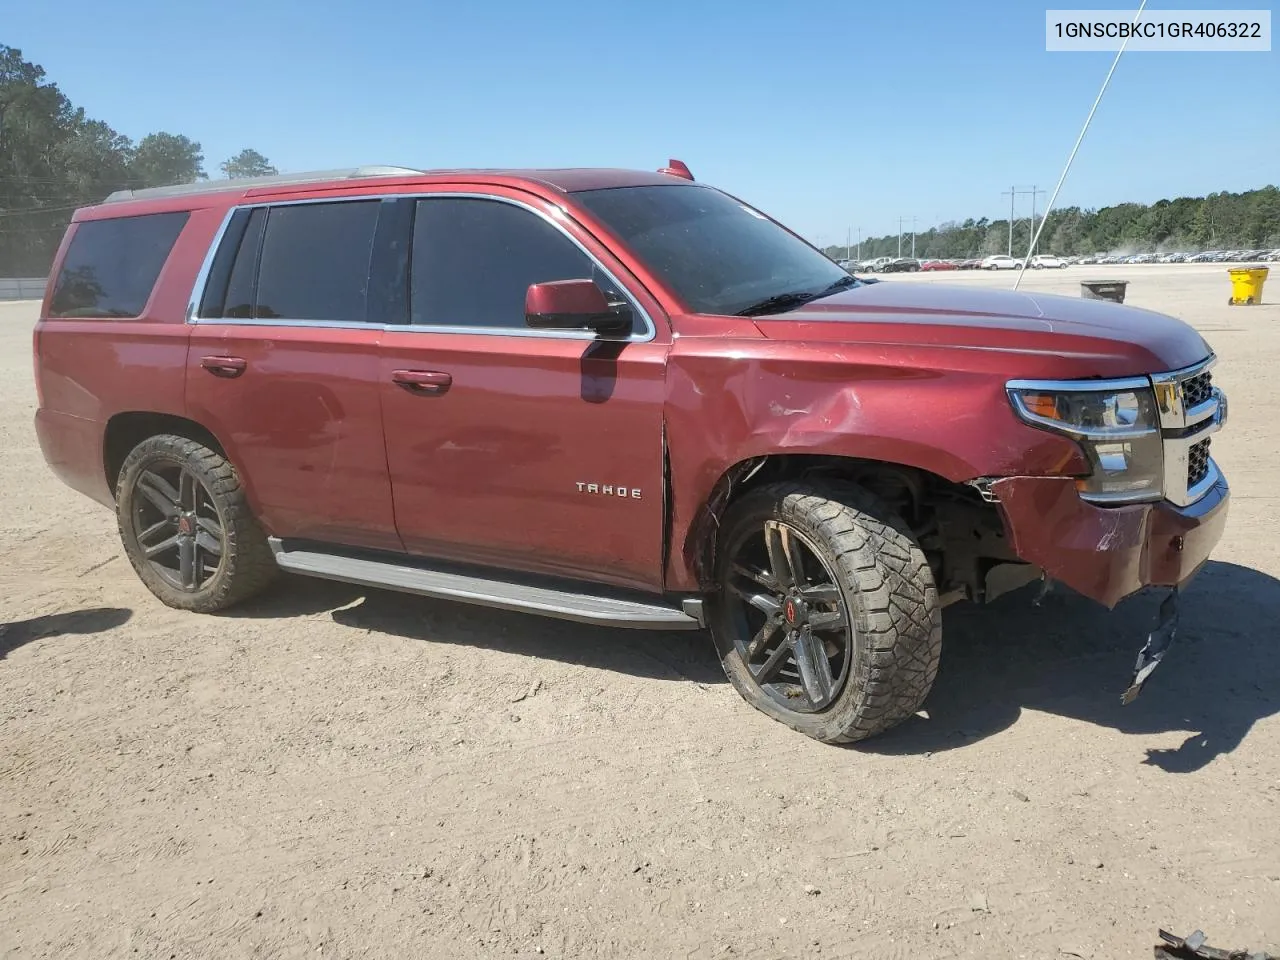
(177, 525)
(791, 625)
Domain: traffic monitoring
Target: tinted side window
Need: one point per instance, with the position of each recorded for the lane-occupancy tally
(228, 289)
(112, 265)
(315, 261)
(239, 298)
(474, 260)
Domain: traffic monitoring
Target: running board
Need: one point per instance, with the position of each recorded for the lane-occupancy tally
(447, 584)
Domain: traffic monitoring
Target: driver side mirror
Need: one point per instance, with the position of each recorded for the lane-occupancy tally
(574, 305)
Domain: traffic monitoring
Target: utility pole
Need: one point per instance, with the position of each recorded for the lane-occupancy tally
(859, 243)
(848, 247)
(1012, 193)
(1033, 192)
(901, 221)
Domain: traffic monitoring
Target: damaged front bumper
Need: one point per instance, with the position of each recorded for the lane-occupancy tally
(1108, 553)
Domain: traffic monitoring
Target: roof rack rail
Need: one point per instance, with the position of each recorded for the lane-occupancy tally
(246, 183)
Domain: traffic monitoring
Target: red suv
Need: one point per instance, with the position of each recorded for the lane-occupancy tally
(616, 397)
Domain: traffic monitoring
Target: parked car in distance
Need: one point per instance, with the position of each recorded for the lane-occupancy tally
(1001, 262)
(874, 266)
(938, 265)
(901, 265)
(1042, 260)
(615, 397)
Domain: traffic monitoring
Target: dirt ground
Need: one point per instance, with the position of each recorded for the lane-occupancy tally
(332, 773)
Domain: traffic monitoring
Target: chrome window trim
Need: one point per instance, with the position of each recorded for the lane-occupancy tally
(202, 277)
(646, 335)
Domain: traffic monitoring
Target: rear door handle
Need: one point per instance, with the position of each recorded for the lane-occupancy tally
(422, 381)
(227, 367)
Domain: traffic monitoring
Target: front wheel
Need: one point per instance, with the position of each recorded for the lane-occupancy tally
(186, 526)
(827, 615)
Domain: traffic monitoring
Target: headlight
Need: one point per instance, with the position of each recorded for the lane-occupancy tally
(1115, 423)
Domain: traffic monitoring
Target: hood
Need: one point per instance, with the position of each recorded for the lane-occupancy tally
(1111, 339)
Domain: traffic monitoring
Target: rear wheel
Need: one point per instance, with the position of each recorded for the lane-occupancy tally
(186, 526)
(827, 615)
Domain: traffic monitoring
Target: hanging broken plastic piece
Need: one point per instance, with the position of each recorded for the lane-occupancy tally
(1154, 649)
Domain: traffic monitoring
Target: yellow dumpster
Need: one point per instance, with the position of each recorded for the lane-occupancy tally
(1246, 284)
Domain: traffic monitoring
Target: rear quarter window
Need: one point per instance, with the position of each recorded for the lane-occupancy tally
(111, 266)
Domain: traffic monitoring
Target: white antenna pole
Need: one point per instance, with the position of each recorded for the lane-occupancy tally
(1083, 130)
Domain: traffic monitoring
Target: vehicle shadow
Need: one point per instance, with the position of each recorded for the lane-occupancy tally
(1073, 658)
(685, 655)
(16, 633)
(1068, 656)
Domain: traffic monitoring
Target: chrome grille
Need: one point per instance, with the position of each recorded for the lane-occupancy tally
(1197, 462)
(1196, 390)
(1191, 409)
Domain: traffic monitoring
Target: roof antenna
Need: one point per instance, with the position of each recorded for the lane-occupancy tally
(677, 168)
(1089, 119)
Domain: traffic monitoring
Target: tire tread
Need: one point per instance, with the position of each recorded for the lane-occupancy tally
(896, 609)
(250, 564)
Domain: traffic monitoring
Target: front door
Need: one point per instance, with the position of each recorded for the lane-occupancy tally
(283, 367)
(533, 450)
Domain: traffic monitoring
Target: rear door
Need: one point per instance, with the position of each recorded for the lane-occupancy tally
(283, 367)
(530, 450)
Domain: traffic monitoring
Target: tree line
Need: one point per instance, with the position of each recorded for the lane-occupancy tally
(1222, 221)
(54, 158)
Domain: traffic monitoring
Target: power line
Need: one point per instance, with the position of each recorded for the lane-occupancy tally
(1080, 139)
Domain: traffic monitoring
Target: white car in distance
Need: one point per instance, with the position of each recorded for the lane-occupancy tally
(1043, 260)
(1001, 262)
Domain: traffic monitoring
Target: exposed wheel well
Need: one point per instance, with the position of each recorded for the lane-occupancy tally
(962, 534)
(126, 430)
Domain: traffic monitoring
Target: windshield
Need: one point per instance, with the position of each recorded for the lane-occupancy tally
(718, 255)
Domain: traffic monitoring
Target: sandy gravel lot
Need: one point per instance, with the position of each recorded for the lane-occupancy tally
(331, 773)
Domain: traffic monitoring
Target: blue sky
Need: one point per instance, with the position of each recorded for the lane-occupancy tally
(829, 116)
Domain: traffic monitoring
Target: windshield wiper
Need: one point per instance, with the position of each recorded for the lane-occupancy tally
(839, 285)
(783, 301)
(787, 301)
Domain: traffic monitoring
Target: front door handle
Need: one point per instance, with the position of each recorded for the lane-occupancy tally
(226, 367)
(433, 382)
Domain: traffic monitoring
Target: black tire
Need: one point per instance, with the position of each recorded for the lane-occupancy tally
(889, 599)
(219, 513)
